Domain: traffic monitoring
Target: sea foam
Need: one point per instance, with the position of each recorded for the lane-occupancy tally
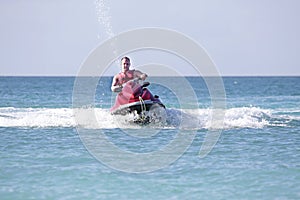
(98, 118)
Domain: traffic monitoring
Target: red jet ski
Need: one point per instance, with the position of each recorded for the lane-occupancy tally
(137, 99)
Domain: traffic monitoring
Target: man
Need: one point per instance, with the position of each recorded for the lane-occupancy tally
(126, 75)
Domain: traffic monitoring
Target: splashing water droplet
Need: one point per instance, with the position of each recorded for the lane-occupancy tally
(104, 18)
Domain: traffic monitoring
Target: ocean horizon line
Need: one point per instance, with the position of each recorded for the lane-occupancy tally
(74, 76)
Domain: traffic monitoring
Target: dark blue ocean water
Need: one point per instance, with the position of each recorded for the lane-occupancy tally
(46, 154)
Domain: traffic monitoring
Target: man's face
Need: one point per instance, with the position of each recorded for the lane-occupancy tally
(125, 65)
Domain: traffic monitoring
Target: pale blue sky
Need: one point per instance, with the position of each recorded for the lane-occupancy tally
(53, 37)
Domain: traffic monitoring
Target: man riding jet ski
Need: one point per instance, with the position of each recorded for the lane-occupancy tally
(133, 97)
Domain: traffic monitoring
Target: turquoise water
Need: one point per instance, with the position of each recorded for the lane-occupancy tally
(256, 157)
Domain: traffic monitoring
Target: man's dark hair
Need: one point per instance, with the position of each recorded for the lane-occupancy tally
(126, 58)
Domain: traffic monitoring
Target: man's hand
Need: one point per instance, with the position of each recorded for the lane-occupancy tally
(117, 88)
(143, 76)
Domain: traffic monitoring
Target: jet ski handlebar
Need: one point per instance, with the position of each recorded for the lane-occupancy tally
(118, 88)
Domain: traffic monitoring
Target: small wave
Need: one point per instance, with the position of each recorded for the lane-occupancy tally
(242, 117)
(98, 118)
(247, 117)
(36, 117)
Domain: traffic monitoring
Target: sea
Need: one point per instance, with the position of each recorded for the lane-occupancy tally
(53, 147)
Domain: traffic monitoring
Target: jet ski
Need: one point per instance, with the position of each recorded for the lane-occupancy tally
(135, 98)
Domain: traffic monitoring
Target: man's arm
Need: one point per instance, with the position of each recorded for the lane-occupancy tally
(114, 86)
(140, 75)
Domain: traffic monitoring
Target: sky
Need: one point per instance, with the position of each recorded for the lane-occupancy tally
(243, 38)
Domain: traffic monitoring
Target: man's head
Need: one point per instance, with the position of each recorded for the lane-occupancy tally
(125, 64)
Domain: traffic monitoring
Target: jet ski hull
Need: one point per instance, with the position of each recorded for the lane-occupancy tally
(136, 107)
